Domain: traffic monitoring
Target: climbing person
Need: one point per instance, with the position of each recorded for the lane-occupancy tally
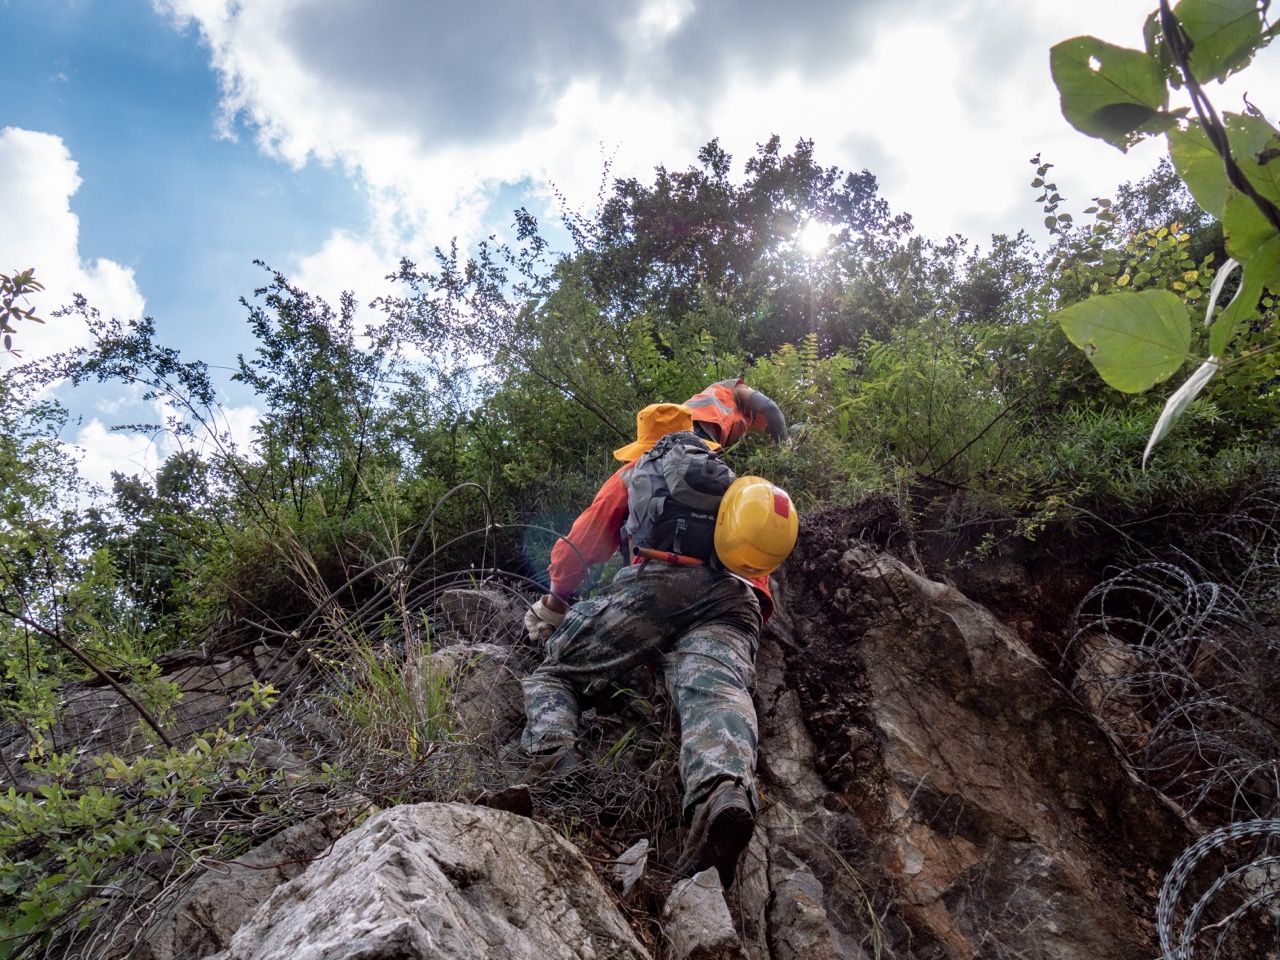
(700, 545)
(727, 410)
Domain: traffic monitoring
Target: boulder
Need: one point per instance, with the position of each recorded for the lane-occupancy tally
(487, 702)
(203, 919)
(930, 789)
(480, 613)
(443, 881)
(698, 923)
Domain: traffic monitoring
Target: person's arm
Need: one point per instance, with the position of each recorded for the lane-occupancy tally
(595, 534)
(763, 408)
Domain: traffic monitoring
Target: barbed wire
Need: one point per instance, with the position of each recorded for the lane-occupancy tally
(1180, 661)
(1256, 873)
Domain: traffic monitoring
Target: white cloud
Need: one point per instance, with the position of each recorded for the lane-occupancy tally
(347, 262)
(239, 423)
(38, 178)
(102, 451)
(438, 108)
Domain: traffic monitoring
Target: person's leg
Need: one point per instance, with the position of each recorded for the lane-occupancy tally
(710, 672)
(601, 638)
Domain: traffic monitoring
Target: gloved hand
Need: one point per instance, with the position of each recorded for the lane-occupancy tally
(541, 621)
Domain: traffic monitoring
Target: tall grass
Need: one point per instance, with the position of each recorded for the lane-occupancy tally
(397, 700)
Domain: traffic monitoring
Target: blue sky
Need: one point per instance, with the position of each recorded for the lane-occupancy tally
(151, 149)
(187, 210)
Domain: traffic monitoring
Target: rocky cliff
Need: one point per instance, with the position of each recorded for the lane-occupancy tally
(930, 789)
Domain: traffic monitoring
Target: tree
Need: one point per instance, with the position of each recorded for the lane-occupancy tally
(322, 428)
(161, 529)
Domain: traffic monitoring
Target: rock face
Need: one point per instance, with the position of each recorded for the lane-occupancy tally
(943, 795)
(96, 718)
(442, 880)
(204, 919)
(929, 791)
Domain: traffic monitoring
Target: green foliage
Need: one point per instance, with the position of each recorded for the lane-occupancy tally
(1251, 142)
(65, 840)
(1120, 95)
(1091, 460)
(1135, 340)
(1223, 35)
(1105, 259)
(15, 289)
(1110, 92)
(157, 526)
(397, 702)
(324, 410)
(827, 459)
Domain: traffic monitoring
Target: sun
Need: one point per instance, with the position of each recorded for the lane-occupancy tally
(814, 237)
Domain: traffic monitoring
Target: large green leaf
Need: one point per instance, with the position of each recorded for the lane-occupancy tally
(1261, 271)
(1255, 144)
(1134, 340)
(1200, 166)
(1224, 35)
(1110, 92)
(1244, 226)
(1158, 49)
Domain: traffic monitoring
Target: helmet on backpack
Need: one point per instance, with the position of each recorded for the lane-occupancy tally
(756, 527)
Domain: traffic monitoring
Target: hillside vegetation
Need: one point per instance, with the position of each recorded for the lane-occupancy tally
(468, 425)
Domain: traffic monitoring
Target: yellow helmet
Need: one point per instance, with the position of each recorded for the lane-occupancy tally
(756, 527)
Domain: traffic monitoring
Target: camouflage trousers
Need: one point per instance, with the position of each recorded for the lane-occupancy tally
(704, 626)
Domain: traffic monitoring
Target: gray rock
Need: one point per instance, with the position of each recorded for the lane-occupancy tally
(487, 702)
(442, 881)
(481, 613)
(204, 918)
(798, 925)
(1105, 680)
(96, 719)
(698, 923)
(628, 869)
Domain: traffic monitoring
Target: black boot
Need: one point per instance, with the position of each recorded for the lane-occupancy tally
(553, 765)
(720, 831)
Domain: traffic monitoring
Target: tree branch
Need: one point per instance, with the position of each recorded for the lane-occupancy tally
(106, 678)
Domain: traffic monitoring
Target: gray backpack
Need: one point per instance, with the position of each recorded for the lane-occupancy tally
(673, 494)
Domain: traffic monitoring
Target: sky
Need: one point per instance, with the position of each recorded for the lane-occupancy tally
(151, 150)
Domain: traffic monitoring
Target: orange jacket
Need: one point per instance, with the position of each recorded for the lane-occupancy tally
(717, 410)
(597, 533)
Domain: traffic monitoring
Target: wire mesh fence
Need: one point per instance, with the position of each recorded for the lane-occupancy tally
(411, 695)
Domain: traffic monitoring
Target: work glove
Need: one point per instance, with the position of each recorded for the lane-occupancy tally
(541, 622)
